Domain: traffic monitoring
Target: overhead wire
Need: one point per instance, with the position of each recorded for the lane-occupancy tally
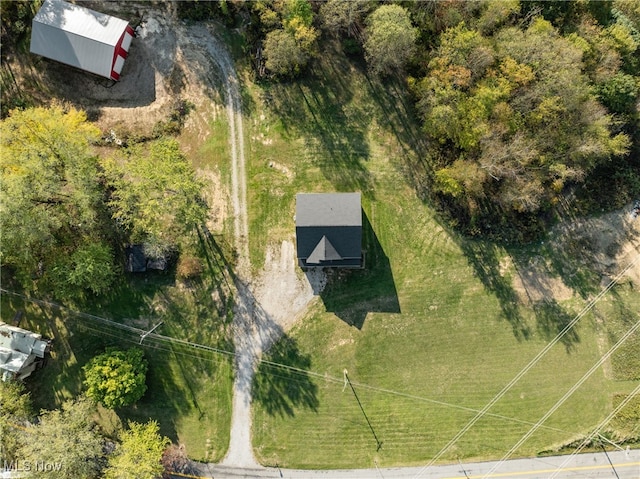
(296, 370)
(587, 440)
(564, 398)
(326, 377)
(528, 367)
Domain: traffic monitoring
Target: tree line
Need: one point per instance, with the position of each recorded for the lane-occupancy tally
(67, 212)
(68, 443)
(520, 101)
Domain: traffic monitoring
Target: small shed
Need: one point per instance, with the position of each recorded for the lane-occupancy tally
(21, 351)
(329, 230)
(136, 261)
(82, 38)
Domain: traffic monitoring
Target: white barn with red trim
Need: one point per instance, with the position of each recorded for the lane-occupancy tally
(82, 38)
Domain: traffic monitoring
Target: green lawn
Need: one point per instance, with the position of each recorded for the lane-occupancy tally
(189, 391)
(430, 331)
(618, 313)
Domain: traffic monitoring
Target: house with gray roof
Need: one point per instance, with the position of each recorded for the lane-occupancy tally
(21, 351)
(329, 230)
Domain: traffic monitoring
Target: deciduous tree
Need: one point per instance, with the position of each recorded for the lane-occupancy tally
(339, 16)
(52, 198)
(139, 454)
(116, 378)
(290, 35)
(516, 117)
(390, 39)
(15, 410)
(65, 443)
(155, 196)
(283, 56)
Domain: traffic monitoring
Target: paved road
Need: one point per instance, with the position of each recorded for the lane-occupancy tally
(624, 465)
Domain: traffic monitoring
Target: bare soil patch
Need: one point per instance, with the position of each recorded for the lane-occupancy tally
(282, 290)
(608, 243)
(582, 250)
(537, 282)
(216, 196)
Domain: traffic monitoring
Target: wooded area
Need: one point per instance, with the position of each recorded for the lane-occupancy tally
(67, 213)
(520, 102)
(520, 105)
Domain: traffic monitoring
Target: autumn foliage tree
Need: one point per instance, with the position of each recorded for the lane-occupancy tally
(340, 17)
(139, 454)
(155, 197)
(52, 216)
(66, 439)
(15, 413)
(290, 36)
(390, 39)
(514, 117)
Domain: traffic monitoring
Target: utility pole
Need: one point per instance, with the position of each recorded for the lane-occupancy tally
(346, 378)
(378, 468)
(602, 438)
(144, 335)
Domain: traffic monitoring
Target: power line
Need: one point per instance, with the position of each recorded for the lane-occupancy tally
(43, 302)
(147, 333)
(303, 372)
(597, 430)
(325, 377)
(527, 368)
(564, 398)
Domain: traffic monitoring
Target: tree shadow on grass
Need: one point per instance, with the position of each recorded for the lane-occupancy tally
(281, 389)
(552, 319)
(325, 109)
(618, 318)
(397, 113)
(216, 266)
(352, 294)
(485, 257)
(278, 388)
(78, 337)
(573, 262)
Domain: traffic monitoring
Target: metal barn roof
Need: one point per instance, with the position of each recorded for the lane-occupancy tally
(82, 38)
(81, 21)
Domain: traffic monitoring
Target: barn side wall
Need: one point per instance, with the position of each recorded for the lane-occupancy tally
(71, 49)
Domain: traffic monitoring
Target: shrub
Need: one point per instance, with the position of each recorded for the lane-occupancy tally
(116, 378)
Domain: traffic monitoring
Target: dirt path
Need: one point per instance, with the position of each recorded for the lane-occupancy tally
(281, 294)
(269, 303)
(218, 54)
(247, 326)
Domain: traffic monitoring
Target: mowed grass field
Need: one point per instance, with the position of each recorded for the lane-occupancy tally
(431, 331)
(188, 390)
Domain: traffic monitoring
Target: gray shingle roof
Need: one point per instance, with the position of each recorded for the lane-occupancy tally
(329, 229)
(324, 251)
(328, 209)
